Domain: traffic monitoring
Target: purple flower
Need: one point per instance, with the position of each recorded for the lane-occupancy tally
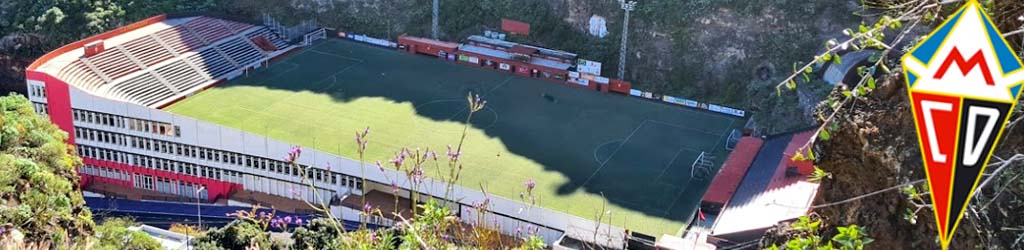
(298, 221)
(373, 236)
(367, 208)
(293, 154)
(394, 187)
(453, 155)
(399, 158)
(288, 219)
(361, 140)
(530, 184)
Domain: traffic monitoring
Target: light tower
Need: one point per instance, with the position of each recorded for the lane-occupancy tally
(433, 22)
(627, 7)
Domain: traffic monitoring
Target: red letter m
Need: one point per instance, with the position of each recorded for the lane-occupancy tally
(965, 66)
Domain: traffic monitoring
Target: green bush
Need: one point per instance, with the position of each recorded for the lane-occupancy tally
(238, 234)
(318, 234)
(38, 190)
(113, 234)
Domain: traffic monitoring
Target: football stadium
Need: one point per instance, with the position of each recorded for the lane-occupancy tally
(180, 107)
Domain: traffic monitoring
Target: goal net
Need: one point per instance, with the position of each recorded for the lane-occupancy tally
(313, 36)
(734, 138)
(702, 166)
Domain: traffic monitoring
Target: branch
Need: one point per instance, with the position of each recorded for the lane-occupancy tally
(1002, 166)
(861, 35)
(996, 196)
(836, 110)
(1008, 34)
(1015, 121)
(867, 195)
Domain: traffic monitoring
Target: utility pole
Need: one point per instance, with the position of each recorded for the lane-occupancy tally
(433, 24)
(627, 7)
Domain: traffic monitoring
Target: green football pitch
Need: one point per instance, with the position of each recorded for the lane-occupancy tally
(585, 149)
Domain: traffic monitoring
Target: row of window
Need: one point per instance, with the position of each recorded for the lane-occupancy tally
(171, 186)
(163, 185)
(141, 125)
(207, 154)
(214, 155)
(105, 172)
(160, 164)
(37, 91)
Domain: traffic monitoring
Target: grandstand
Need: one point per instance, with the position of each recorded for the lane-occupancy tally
(182, 55)
(170, 102)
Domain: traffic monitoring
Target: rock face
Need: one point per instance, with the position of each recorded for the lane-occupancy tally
(875, 147)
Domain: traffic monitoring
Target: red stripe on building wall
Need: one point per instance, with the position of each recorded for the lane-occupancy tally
(215, 188)
(58, 100)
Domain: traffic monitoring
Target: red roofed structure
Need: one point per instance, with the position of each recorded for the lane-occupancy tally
(427, 46)
(732, 172)
(515, 27)
(774, 189)
(520, 49)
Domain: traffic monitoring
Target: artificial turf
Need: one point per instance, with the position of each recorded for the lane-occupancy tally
(585, 149)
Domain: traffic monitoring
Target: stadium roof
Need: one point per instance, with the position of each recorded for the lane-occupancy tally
(506, 55)
(508, 45)
(433, 42)
(768, 194)
(55, 64)
(735, 167)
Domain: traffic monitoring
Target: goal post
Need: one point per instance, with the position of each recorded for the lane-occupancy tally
(702, 166)
(314, 36)
(734, 138)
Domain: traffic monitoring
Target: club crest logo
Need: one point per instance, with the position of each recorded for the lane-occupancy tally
(963, 82)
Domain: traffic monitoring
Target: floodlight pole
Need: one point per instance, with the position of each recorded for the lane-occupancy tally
(433, 24)
(627, 7)
(198, 211)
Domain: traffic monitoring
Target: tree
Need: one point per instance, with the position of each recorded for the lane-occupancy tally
(39, 194)
(238, 234)
(319, 234)
(113, 234)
